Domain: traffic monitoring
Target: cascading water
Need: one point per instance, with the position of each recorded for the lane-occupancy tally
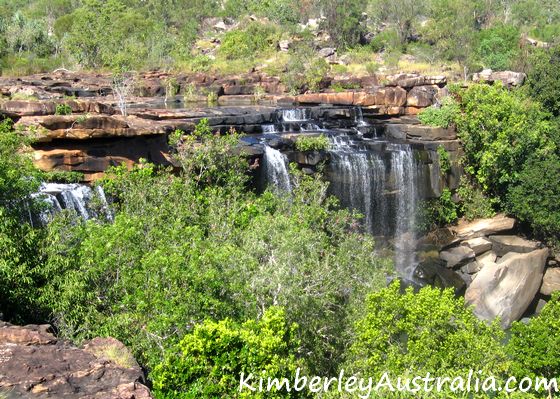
(76, 197)
(404, 172)
(276, 170)
(295, 115)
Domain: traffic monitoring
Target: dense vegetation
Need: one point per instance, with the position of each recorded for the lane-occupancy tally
(463, 35)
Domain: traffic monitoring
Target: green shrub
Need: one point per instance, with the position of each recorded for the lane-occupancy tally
(536, 198)
(473, 203)
(498, 47)
(312, 143)
(249, 42)
(386, 40)
(438, 212)
(543, 78)
(63, 109)
(315, 73)
(530, 343)
(201, 63)
(208, 362)
(409, 334)
(444, 160)
(500, 130)
(372, 67)
(440, 116)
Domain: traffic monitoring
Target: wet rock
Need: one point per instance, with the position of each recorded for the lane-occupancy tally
(506, 291)
(34, 364)
(457, 256)
(551, 281)
(437, 275)
(502, 244)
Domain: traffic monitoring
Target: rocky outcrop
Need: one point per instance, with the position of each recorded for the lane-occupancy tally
(507, 289)
(35, 364)
(551, 281)
(508, 78)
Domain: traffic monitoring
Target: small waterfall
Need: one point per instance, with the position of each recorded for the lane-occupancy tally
(268, 129)
(276, 170)
(359, 117)
(358, 179)
(295, 115)
(76, 197)
(404, 172)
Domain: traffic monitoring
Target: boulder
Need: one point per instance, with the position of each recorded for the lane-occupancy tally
(483, 227)
(487, 259)
(457, 256)
(502, 244)
(434, 274)
(34, 364)
(471, 267)
(551, 281)
(479, 245)
(508, 78)
(421, 96)
(506, 291)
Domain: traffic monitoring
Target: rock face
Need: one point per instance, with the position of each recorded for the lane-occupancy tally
(484, 227)
(504, 244)
(34, 364)
(508, 78)
(506, 290)
(551, 281)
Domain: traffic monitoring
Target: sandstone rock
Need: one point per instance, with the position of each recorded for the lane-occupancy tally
(487, 259)
(421, 96)
(34, 364)
(507, 256)
(479, 245)
(508, 289)
(284, 45)
(504, 244)
(508, 78)
(422, 132)
(484, 227)
(457, 256)
(551, 281)
(471, 267)
(326, 52)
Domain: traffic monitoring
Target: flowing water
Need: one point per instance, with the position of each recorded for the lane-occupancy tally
(275, 167)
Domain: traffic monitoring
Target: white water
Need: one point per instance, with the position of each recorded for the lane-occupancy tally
(295, 115)
(359, 117)
(268, 129)
(402, 162)
(76, 197)
(275, 165)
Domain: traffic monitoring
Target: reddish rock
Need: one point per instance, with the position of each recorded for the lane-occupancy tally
(421, 96)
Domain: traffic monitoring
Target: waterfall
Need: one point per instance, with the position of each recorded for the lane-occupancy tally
(268, 129)
(358, 179)
(404, 172)
(276, 170)
(76, 197)
(359, 117)
(295, 115)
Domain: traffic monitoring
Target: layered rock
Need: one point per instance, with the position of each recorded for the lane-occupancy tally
(35, 364)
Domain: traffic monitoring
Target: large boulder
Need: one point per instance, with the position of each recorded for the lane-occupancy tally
(479, 245)
(457, 256)
(551, 281)
(508, 78)
(503, 244)
(34, 364)
(507, 290)
(421, 96)
(483, 227)
(437, 275)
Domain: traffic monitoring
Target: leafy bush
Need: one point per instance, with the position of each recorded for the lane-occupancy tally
(473, 203)
(408, 334)
(530, 343)
(500, 130)
(444, 160)
(440, 116)
(535, 199)
(208, 362)
(498, 46)
(543, 79)
(438, 212)
(249, 42)
(312, 143)
(63, 109)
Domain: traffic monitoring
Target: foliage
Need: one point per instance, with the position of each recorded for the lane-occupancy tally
(63, 109)
(498, 46)
(255, 38)
(474, 203)
(499, 131)
(442, 115)
(438, 212)
(444, 160)
(529, 344)
(408, 334)
(304, 70)
(208, 362)
(312, 143)
(343, 20)
(543, 79)
(535, 199)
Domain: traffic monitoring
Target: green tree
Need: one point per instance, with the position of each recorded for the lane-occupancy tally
(409, 334)
(498, 46)
(208, 362)
(543, 79)
(343, 20)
